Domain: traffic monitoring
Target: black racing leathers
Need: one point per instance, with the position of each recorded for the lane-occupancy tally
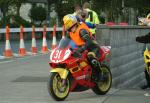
(90, 44)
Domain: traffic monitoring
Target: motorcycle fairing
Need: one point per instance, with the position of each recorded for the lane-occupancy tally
(61, 71)
(147, 60)
(82, 74)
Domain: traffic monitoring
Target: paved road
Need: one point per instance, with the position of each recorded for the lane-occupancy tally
(24, 80)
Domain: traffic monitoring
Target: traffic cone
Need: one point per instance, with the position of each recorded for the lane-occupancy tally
(44, 46)
(8, 52)
(33, 48)
(63, 32)
(22, 50)
(54, 42)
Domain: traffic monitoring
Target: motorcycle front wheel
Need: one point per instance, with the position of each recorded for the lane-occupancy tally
(102, 87)
(56, 88)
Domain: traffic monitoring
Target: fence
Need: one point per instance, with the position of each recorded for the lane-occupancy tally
(20, 33)
(15, 31)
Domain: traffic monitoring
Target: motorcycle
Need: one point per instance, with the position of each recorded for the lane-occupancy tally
(71, 72)
(147, 64)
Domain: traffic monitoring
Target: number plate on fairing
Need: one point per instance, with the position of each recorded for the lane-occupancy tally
(59, 55)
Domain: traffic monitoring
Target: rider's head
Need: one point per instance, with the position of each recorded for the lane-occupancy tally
(70, 22)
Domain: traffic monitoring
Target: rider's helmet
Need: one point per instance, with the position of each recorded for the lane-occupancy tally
(69, 21)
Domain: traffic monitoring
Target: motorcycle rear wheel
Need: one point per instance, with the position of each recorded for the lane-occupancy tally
(56, 89)
(102, 87)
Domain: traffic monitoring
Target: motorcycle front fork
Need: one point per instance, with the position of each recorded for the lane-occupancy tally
(97, 75)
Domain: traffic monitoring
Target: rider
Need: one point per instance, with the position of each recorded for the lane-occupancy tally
(80, 34)
(145, 39)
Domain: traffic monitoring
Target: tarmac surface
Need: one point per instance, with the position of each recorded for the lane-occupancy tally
(24, 80)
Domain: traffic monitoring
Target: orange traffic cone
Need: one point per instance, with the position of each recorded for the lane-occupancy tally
(54, 42)
(22, 50)
(33, 48)
(8, 51)
(63, 32)
(44, 46)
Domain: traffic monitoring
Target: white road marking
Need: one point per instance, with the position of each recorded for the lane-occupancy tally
(27, 57)
(15, 55)
(20, 58)
(2, 57)
(2, 62)
(147, 94)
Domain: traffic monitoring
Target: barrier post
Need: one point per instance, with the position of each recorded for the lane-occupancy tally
(33, 47)
(44, 45)
(54, 42)
(22, 50)
(8, 52)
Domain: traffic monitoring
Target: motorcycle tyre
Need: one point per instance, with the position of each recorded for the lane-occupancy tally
(51, 90)
(98, 90)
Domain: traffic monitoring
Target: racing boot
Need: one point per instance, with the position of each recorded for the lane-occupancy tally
(95, 64)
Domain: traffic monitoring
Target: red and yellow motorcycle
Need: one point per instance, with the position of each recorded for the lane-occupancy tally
(72, 73)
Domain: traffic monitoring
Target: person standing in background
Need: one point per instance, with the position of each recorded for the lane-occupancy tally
(92, 17)
(81, 15)
(77, 8)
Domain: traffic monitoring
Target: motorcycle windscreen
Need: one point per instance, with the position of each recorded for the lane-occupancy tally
(105, 49)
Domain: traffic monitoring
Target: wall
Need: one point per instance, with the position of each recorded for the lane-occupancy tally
(126, 61)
